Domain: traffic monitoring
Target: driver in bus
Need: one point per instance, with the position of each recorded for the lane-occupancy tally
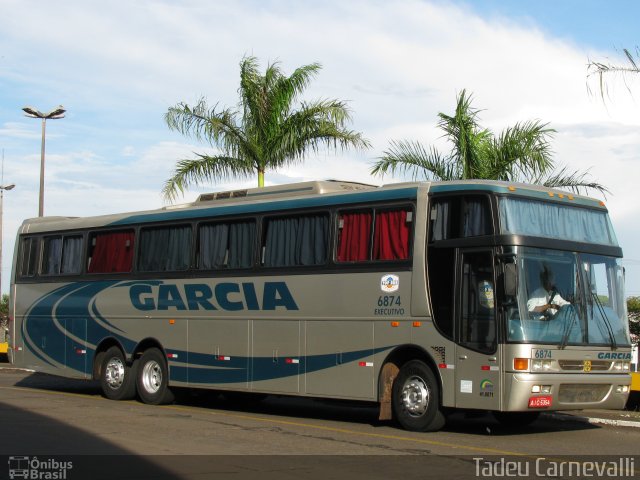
(545, 301)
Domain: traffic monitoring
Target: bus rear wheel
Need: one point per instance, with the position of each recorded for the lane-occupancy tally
(117, 379)
(416, 398)
(153, 378)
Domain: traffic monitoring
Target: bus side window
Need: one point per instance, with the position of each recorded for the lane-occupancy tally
(165, 249)
(61, 255)
(296, 241)
(391, 235)
(226, 245)
(387, 231)
(28, 256)
(111, 252)
(354, 236)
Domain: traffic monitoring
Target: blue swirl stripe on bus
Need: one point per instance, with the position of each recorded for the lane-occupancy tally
(53, 316)
(70, 302)
(38, 325)
(236, 370)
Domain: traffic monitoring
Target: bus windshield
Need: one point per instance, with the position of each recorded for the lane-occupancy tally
(567, 298)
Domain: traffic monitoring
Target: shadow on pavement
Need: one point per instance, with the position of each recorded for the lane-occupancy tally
(479, 423)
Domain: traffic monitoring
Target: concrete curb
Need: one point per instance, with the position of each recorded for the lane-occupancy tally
(593, 420)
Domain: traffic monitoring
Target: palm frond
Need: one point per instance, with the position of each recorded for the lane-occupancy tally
(407, 157)
(524, 148)
(463, 131)
(204, 169)
(600, 70)
(576, 181)
(315, 124)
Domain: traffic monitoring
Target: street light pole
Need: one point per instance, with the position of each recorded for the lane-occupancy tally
(54, 114)
(2, 189)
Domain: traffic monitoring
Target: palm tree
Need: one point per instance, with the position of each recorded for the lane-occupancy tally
(599, 70)
(521, 153)
(267, 132)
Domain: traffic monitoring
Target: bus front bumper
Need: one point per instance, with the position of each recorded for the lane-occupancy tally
(540, 392)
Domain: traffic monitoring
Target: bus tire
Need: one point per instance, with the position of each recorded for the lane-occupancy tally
(416, 398)
(153, 378)
(117, 379)
(516, 419)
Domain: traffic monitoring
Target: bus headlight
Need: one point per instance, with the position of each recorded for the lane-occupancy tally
(621, 366)
(541, 389)
(540, 365)
(622, 389)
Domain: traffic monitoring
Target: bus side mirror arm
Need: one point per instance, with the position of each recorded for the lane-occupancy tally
(510, 280)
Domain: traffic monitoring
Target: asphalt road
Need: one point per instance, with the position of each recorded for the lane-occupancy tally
(207, 436)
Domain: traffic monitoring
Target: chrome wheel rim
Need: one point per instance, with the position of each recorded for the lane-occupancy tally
(114, 373)
(415, 396)
(152, 376)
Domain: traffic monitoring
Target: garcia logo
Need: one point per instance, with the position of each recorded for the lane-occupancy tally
(389, 283)
(614, 356)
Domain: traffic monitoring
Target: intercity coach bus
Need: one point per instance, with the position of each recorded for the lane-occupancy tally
(421, 297)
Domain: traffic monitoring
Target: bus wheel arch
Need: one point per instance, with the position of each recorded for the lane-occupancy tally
(100, 351)
(410, 390)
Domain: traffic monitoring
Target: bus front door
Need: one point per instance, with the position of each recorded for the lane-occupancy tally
(477, 363)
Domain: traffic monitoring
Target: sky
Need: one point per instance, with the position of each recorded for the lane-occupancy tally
(117, 66)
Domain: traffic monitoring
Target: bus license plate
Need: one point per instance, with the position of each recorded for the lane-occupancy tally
(540, 402)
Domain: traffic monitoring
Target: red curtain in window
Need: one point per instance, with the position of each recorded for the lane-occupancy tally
(391, 236)
(113, 252)
(353, 245)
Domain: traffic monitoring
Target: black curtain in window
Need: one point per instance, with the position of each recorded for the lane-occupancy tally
(213, 246)
(165, 249)
(476, 220)
(296, 241)
(241, 244)
(227, 245)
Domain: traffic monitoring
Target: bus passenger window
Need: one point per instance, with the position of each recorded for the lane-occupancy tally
(165, 249)
(388, 230)
(391, 235)
(111, 252)
(295, 241)
(28, 257)
(62, 255)
(354, 237)
(226, 245)
(476, 217)
(460, 217)
(51, 255)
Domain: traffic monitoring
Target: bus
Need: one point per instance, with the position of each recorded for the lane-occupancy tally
(416, 297)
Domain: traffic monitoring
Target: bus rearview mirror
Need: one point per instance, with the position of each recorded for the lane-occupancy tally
(510, 280)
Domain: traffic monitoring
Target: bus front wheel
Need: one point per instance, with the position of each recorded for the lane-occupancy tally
(153, 378)
(416, 398)
(117, 379)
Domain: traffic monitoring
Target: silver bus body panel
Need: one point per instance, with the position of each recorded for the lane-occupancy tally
(320, 334)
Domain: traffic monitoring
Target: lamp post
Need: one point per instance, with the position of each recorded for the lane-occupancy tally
(54, 114)
(2, 189)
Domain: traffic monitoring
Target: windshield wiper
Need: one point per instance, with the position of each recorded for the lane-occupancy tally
(568, 328)
(607, 323)
(603, 314)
